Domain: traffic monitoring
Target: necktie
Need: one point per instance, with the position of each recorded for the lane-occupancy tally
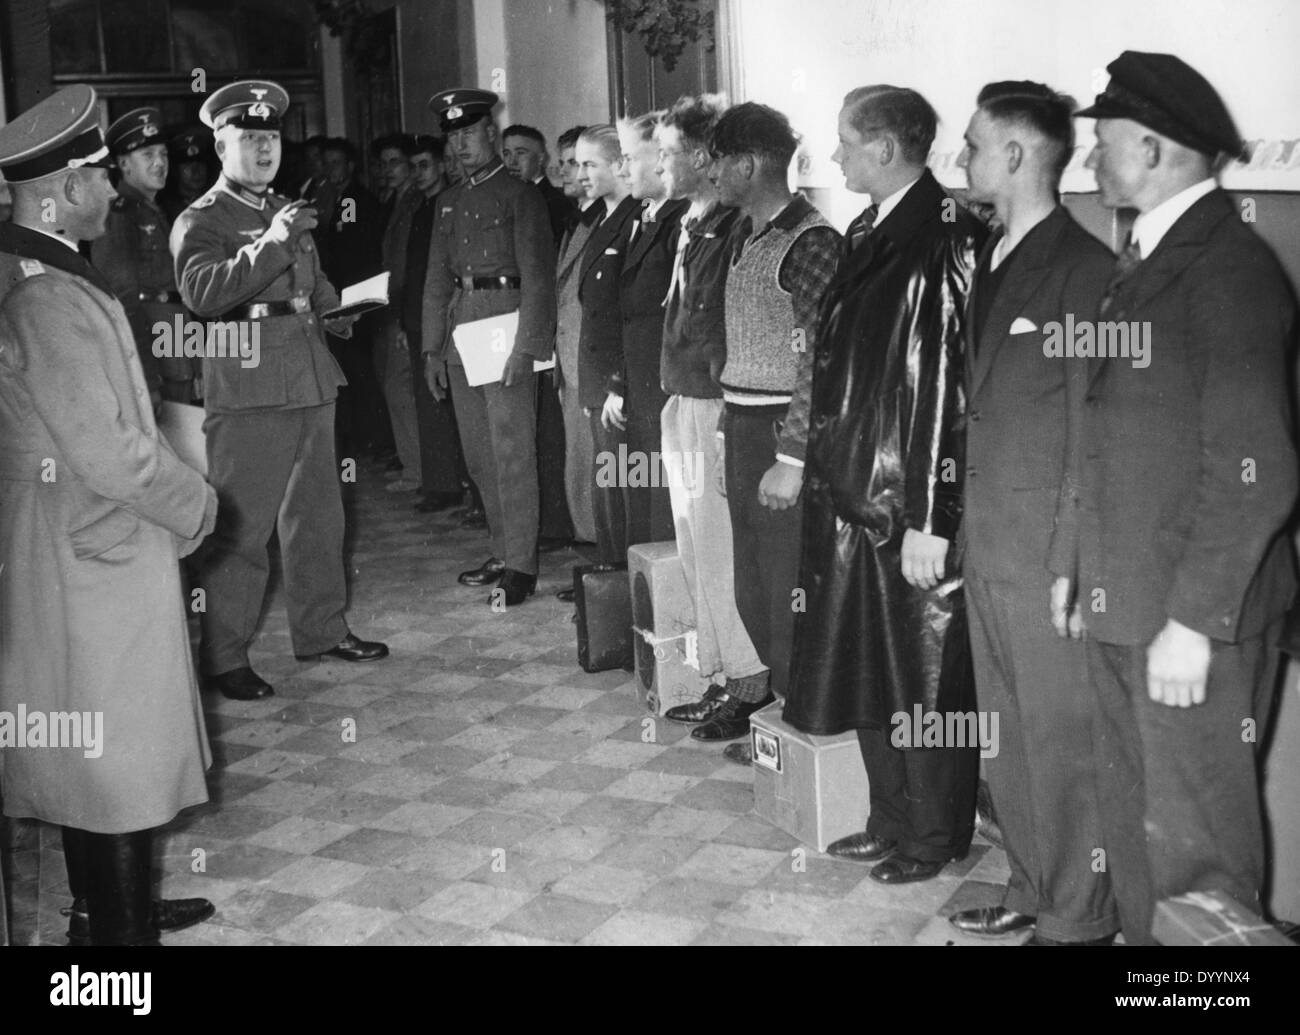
(679, 267)
(861, 227)
(1128, 260)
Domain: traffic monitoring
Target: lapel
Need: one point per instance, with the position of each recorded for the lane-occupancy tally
(1032, 265)
(31, 244)
(612, 229)
(574, 242)
(922, 203)
(668, 219)
(1180, 245)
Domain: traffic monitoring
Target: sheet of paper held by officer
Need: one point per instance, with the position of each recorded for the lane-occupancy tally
(484, 345)
(361, 297)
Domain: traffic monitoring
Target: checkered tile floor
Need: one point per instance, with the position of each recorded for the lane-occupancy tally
(493, 793)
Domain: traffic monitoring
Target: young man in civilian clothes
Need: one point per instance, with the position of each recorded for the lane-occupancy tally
(694, 353)
(786, 254)
(636, 397)
(600, 342)
(1039, 270)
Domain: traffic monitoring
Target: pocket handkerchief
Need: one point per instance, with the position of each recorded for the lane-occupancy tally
(1023, 326)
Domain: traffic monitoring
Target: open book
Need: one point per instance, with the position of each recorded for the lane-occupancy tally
(361, 297)
(485, 345)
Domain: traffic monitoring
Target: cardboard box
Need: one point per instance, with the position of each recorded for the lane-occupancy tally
(663, 616)
(1212, 918)
(814, 788)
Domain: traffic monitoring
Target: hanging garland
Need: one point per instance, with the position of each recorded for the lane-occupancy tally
(364, 43)
(666, 27)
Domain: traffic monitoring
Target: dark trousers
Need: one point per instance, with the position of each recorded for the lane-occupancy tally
(765, 542)
(649, 507)
(498, 431)
(609, 497)
(273, 469)
(553, 501)
(1178, 787)
(362, 415)
(923, 798)
(440, 459)
(1040, 776)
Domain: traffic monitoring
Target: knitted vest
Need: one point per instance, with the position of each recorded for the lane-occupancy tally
(763, 351)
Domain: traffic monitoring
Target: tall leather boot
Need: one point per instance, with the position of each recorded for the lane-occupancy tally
(120, 893)
(74, 859)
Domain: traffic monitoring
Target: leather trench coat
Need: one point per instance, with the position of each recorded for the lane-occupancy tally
(885, 454)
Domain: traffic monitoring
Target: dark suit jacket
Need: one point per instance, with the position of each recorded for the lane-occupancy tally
(642, 285)
(1019, 402)
(600, 349)
(350, 248)
(563, 210)
(1188, 465)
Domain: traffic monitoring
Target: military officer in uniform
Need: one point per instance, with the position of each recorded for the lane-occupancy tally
(190, 154)
(492, 253)
(133, 253)
(245, 257)
(95, 510)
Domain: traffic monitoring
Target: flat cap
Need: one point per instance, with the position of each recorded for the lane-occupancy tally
(464, 107)
(136, 129)
(248, 104)
(62, 132)
(1166, 94)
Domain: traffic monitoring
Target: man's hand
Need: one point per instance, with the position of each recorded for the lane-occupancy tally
(341, 327)
(923, 558)
(612, 414)
(185, 547)
(435, 376)
(518, 367)
(1178, 663)
(779, 489)
(1067, 619)
(294, 219)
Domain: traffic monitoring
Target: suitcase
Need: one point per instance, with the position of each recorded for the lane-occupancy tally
(604, 617)
(663, 615)
(814, 788)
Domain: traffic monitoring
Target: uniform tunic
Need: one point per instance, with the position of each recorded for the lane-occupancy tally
(93, 503)
(133, 256)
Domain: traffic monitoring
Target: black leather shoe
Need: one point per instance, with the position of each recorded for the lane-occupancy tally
(474, 518)
(903, 869)
(862, 848)
(567, 595)
(731, 721)
(179, 913)
(700, 711)
(436, 502)
(990, 921)
(241, 684)
(484, 576)
(514, 588)
(1038, 939)
(354, 649)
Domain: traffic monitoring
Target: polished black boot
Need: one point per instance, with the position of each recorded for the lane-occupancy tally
(118, 870)
(489, 573)
(74, 860)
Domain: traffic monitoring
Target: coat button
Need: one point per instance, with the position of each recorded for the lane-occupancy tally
(970, 472)
(974, 414)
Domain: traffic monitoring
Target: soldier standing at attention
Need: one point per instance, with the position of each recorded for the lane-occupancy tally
(245, 255)
(133, 253)
(491, 254)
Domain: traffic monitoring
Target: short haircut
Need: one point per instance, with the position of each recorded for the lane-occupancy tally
(427, 144)
(527, 132)
(641, 126)
(604, 137)
(342, 146)
(403, 142)
(756, 129)
(1036, 107)
(317, 141)
(695, 117)
(903, 113)
(569, 138)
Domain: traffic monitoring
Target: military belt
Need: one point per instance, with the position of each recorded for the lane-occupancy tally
(261, 310)
(488, 283)
(174, 297)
